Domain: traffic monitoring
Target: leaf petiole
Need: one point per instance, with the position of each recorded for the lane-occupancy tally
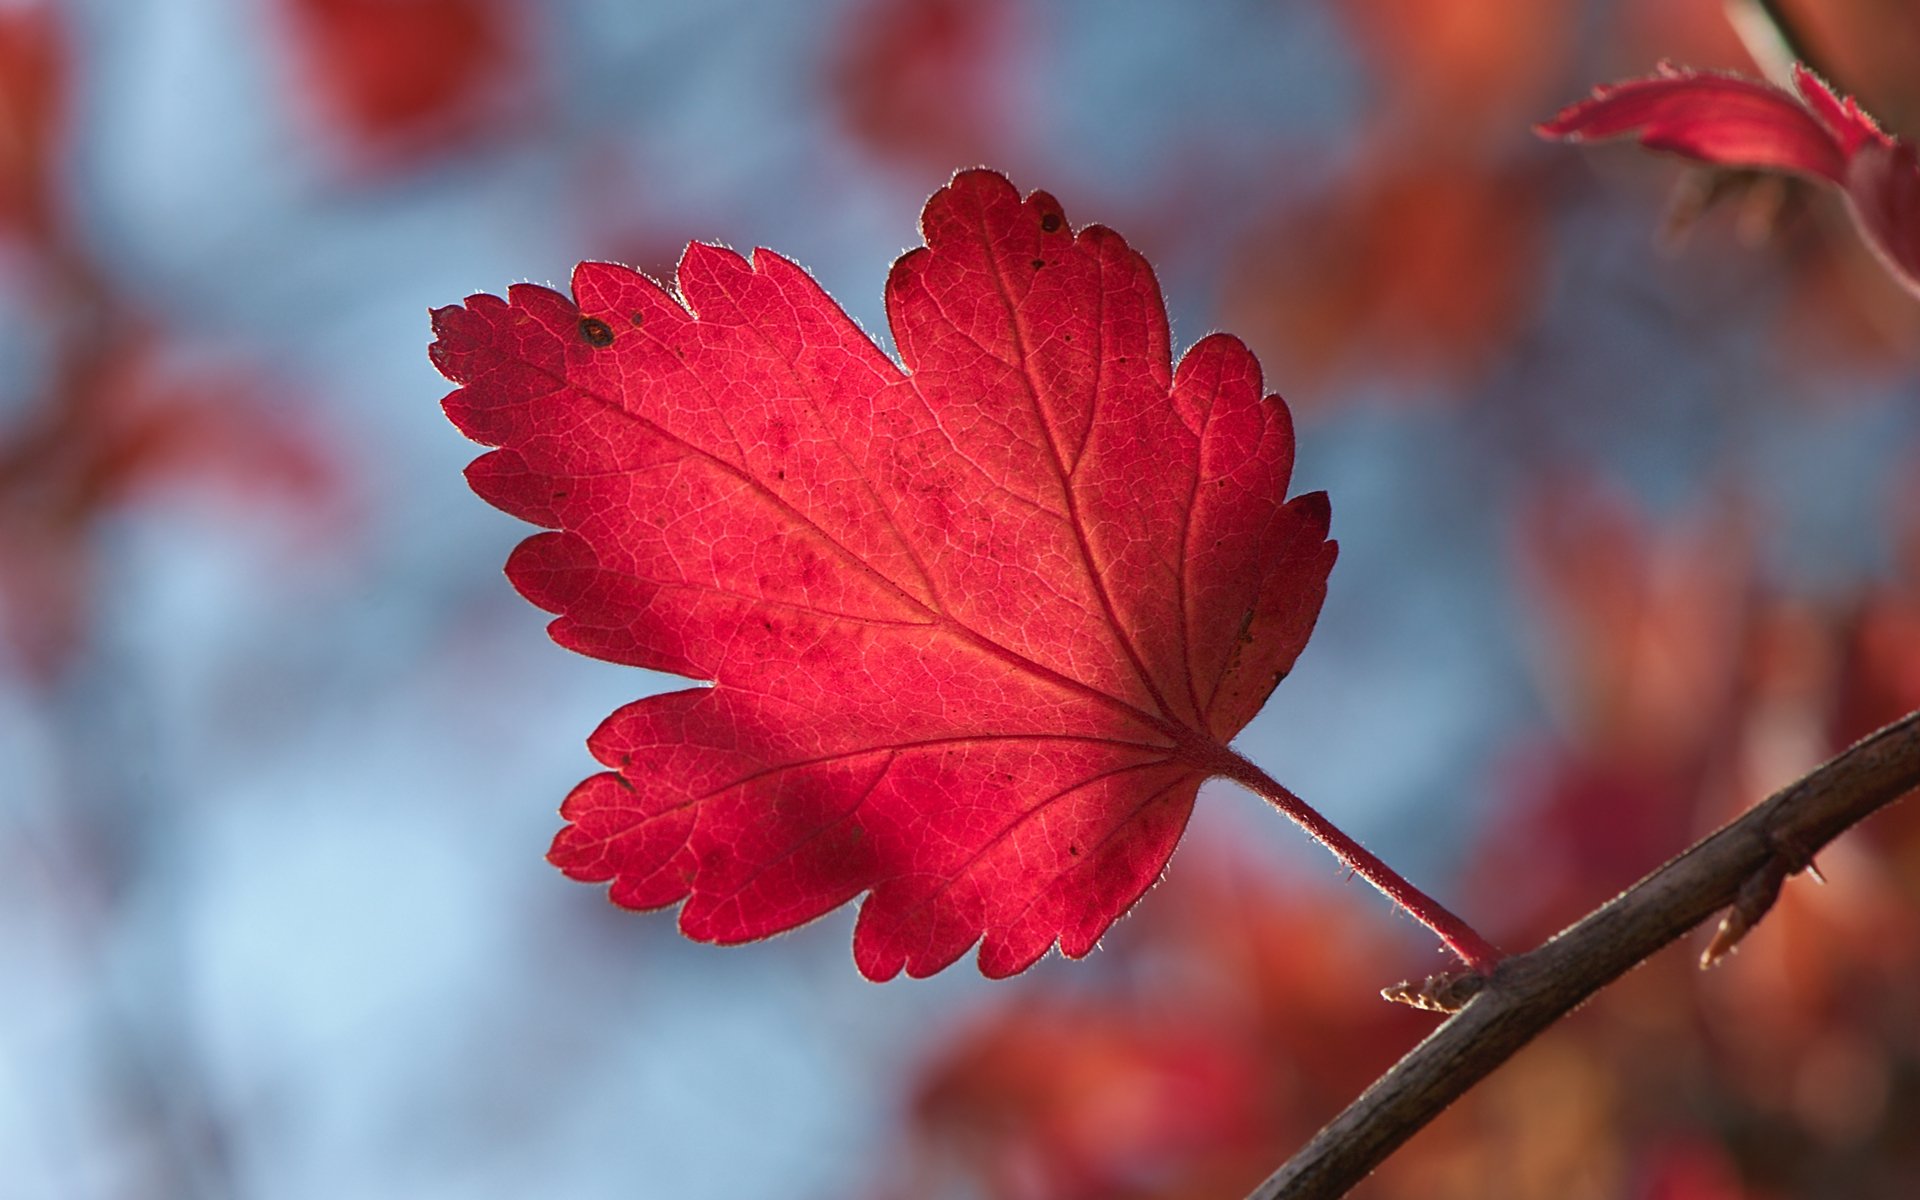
(1476, 952)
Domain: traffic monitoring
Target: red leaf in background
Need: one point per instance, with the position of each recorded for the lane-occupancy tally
(1090, 1099)
(1224, 1035)
(1730, 121)
(399, 73)
(978, 629)
(33, 94)
(1453, 70)
(1690, 1168)
(1643, 626)
(1418, 265)
(1645, 620)
(923, 80)
(129, 420)
(1722, 119)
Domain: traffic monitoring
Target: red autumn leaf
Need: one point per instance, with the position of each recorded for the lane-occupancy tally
(1729, 121)
(977, 628)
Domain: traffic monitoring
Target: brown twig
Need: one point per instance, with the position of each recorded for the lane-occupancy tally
(1741, 866)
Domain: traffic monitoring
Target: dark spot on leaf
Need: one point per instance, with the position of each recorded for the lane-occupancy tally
(1073, 850)
(639, 318)
(780, 474)
(595, 331)
(1050, 222)
(1038, 263)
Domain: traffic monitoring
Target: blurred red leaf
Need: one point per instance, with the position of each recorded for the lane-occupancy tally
(1690, 1168)
(924, 80)
(1730, 121)
(1644, 624)
(1063, 1099)
(1641, 636)
(1416, 264)
(128, 422)
(1240, 1019)
(1458, 70)
(33, 99)
(978, 628)
(400, 75)
(1880, 670)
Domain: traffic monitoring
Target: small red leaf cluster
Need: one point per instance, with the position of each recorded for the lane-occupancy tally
(978, 623)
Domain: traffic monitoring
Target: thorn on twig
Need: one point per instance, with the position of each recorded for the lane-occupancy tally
(1756, 896)
(1750, 904)
(1447, 992)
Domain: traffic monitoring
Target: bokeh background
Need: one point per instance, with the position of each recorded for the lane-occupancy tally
(1621, 458)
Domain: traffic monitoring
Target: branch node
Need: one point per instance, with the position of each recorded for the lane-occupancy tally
(1750, 904)
(1447, 992)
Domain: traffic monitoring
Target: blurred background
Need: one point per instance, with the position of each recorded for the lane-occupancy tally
(1622, 463)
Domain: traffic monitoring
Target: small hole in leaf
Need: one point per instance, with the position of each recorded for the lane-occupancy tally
(595, 331)
(1050, 222)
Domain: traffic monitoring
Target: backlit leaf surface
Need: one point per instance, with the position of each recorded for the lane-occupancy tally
(978, 623)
